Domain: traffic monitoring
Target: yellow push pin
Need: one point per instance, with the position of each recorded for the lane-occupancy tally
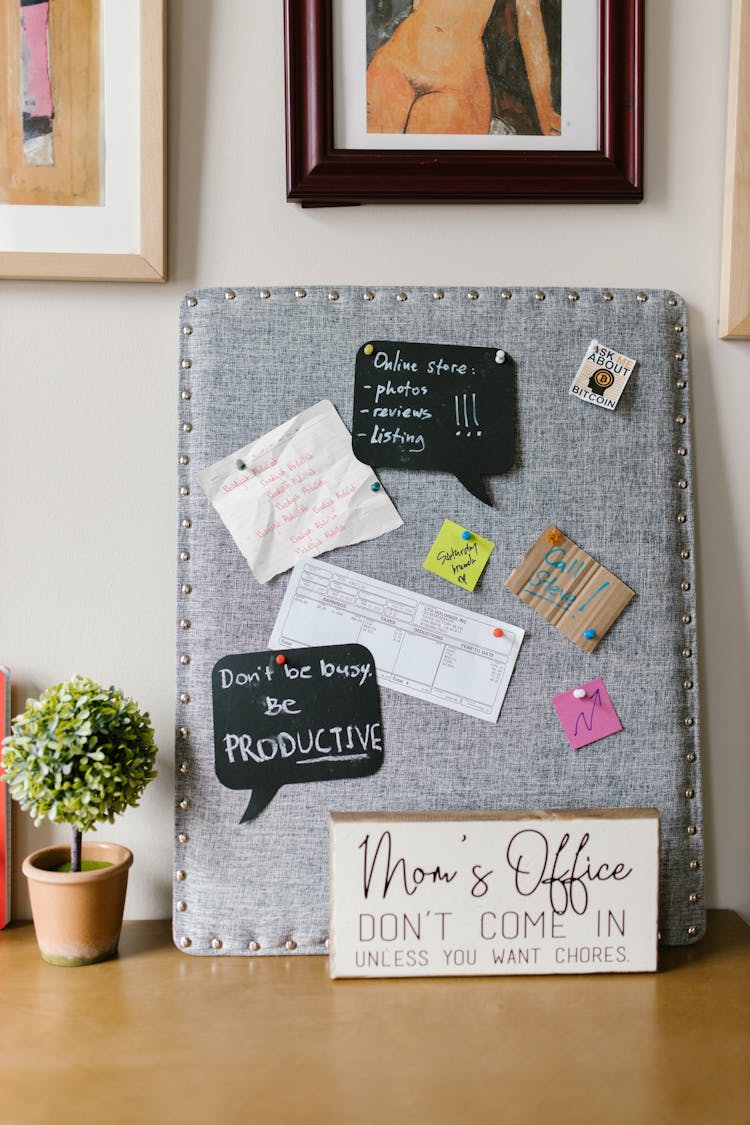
(368, 349)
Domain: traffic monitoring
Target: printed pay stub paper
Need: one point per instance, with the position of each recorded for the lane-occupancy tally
(421, 647)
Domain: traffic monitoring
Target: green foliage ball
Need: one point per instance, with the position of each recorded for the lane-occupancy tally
(79, 754)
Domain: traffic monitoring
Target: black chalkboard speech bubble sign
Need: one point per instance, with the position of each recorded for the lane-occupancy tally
(293, 716)
(435, 406)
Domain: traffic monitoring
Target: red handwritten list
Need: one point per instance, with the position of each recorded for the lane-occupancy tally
(296, 492)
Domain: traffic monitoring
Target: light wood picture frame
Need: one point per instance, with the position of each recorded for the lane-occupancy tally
(123, 237)
(734, 305)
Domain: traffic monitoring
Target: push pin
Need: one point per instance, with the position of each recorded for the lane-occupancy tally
(554, 536)
(375, 486)
(500, 356)
(579, 693)
(240, 463)
(466, 535)
(589, 634)
(368, 349)
(281, 659)
(498, 632)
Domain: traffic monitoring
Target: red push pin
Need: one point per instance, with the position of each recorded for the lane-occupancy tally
(281, 659)
(498, 633)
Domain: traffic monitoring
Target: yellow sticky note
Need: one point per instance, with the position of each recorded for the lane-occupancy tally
(458, 555)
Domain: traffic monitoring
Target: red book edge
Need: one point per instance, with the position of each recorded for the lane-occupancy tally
(4, 804)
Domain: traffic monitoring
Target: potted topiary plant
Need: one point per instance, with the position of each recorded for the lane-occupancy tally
(78, 755)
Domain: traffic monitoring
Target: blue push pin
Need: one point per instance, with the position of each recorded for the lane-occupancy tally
(466, 535)
(240, 463)
(589, 634)
(375, 486)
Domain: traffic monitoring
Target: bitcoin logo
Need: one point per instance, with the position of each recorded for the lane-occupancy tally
(601, 380)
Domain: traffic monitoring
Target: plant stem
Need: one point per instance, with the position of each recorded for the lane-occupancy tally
(75, 850)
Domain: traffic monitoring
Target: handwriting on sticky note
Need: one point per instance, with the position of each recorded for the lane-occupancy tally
(298, 491)
(570, 589)
(458, 555)
(435, 406)
(587, 719)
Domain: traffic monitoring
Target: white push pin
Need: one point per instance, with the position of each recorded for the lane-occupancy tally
(500, 356)
(579, 693)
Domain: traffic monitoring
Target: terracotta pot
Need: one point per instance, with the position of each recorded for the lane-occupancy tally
(78, 914)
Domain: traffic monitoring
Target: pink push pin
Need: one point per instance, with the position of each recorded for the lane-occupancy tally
(579, 693)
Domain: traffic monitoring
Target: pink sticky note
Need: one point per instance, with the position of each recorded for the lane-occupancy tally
(589, 719)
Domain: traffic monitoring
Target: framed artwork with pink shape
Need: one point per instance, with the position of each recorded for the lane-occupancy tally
(82, 133)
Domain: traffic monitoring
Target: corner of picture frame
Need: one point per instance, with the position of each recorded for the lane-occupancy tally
(734, 303)
(149, 262)
(321, 175)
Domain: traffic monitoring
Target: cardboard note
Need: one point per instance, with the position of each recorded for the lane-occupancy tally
(435, 406)
(457, 558)
(602, 376)
(570, 589)
(493, 893)
(313, 717)
(297, 491)
(586, 720)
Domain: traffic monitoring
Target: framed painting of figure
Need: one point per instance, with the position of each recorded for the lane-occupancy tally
(418, 100)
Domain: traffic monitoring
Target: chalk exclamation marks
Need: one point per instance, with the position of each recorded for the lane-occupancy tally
(474, 412)
(465, 405)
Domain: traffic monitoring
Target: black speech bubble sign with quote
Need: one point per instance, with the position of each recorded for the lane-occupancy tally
(435, 406)
(312, 716)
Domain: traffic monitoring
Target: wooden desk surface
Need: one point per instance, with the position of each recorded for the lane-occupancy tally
(158, 1036)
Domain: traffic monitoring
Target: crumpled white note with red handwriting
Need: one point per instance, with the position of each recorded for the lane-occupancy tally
(298, 491)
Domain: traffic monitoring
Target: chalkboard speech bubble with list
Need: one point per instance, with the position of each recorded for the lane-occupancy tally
(289, 717)
(435, 406)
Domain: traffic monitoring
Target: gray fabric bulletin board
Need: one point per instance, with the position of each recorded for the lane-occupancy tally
(618, 483)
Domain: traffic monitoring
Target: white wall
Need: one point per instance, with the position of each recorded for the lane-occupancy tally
(88, 404)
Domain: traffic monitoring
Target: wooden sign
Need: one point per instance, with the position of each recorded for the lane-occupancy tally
(570, 589)
(494, 893)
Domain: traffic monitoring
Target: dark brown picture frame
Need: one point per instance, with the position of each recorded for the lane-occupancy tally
(319, 174)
